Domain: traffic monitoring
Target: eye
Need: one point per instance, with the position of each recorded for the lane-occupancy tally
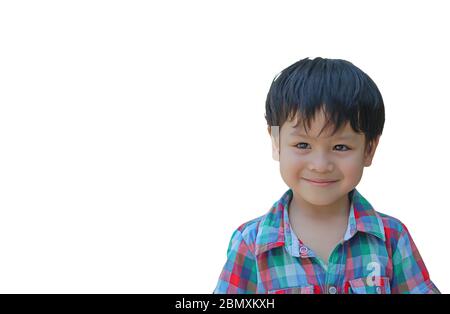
(344, 146)
(301, 144)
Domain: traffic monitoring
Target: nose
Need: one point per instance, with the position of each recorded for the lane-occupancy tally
(320, 163)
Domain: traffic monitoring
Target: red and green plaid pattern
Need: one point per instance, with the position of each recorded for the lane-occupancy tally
(377, 255)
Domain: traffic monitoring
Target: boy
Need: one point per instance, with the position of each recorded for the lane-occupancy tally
(325, 118)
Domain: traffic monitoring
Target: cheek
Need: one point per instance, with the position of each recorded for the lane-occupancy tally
(352, 168)
(291, 164)
(291, 159)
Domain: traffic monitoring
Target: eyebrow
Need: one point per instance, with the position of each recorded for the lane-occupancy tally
(342, 137)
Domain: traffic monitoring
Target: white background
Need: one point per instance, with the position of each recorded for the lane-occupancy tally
(133, 140)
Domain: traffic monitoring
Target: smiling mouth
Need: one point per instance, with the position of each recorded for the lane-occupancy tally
(320, 183)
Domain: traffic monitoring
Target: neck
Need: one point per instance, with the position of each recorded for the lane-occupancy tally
(301, 207)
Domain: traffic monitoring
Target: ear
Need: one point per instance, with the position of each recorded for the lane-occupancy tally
(370, 151)
(274, 132)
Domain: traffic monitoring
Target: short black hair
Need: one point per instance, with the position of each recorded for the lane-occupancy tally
(342, 90)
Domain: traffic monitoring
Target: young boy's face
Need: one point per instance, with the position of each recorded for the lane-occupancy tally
(306, 156)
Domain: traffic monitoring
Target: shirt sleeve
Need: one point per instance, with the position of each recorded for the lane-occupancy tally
(409, 272)
(239, 275)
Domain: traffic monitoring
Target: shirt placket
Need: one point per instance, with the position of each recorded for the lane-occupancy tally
(331, 283)
(334, 271)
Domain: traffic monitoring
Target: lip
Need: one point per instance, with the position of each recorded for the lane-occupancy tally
(321, 182)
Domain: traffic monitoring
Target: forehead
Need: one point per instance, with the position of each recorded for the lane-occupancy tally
(317, 129)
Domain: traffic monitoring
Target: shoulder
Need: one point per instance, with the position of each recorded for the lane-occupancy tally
(395, 230)
(264, 232)
(392, 227)
(391, 223)
(247, 232)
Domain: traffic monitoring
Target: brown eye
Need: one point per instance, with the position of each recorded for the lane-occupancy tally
(345, 147)
(302, 145)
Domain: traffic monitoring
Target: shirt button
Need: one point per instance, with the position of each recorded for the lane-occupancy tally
(332, 290)
(303, 250)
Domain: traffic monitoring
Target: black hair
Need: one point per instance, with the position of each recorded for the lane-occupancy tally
(343, 91)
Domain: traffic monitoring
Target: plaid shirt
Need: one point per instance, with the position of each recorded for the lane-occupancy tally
(377, 255)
